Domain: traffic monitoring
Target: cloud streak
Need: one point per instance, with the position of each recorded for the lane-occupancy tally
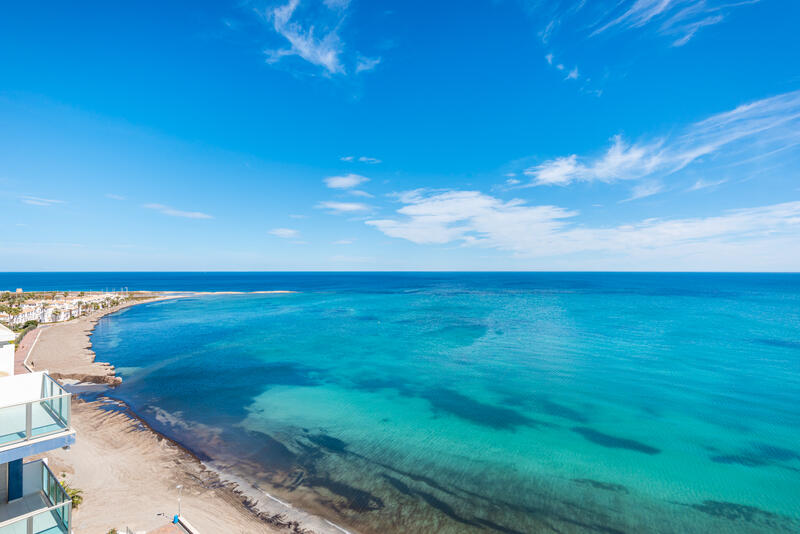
(679, 20)
(765, 126)
(342, 207)
(172, 212)
(38, 201)
(284, 233)
(471, 218)
(346, 181)
(361, 159)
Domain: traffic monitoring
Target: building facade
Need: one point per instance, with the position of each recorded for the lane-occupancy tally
(34, 418)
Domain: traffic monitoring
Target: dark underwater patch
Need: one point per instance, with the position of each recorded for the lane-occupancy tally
(733, 511)
(739, 459)
(774, 342)
(614, 442)
(476, 412)
(777, 454)
(432, 501)
(565, 412)
(398, 485)
(758, 454)
(357, 499)
(607, 486)
(328, 442)
(270, 452)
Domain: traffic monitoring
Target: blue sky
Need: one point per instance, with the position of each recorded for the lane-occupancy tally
(335, 134)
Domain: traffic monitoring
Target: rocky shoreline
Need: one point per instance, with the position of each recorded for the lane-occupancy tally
(118, 458)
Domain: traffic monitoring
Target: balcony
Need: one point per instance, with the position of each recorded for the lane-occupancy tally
(34, 416)
(44, 508)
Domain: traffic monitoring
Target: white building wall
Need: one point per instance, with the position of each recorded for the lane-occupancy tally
(6, 351)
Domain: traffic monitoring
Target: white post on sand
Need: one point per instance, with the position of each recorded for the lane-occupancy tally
(179, 487)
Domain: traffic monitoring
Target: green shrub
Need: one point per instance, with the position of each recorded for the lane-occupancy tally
(75, 494)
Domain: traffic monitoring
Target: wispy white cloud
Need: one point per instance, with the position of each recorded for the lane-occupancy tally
(573, 74)
(38, 201)
(285, 233)
(680, 19)
(343, 242)
(321, 50)
(705, 184)
(471, 218)
(172, 212)
(312, 29)
(467, 216)
(345, 181)
(621, 161)
(367, 63)
(361, 159)
(645, 189)
(112, 196)
(359, 193)
(755, 128)
(342, 207)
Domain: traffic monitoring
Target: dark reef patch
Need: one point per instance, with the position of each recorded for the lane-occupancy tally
(565, 412)
(738, 459)
(270, 452)
(357, 499)
(454, 403)
(398, 485)
(759, 454)
(608, 486)
(328, 442)
(783, 343)
(733, 511)
(431, 500)
(614, 442)
(773, 453)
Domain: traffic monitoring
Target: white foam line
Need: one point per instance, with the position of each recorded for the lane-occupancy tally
(337, 527)
(286, 504)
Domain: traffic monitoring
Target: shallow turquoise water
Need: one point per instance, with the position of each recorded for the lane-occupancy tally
(497, 403)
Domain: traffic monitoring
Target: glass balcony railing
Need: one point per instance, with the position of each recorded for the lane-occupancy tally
(44, 508)
(32, 406)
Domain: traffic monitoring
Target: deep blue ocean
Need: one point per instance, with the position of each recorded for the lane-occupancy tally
(477, 402)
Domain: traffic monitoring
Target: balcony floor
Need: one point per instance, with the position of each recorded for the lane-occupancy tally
(12, 423)
(44, 523)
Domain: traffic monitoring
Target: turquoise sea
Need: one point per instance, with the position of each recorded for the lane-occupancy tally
(540, 402)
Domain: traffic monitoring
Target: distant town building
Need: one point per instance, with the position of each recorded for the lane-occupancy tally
(54, 308)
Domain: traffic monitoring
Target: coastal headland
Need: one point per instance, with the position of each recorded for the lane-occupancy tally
(128, 473)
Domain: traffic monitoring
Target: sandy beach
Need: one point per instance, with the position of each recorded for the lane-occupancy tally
(129, 473)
